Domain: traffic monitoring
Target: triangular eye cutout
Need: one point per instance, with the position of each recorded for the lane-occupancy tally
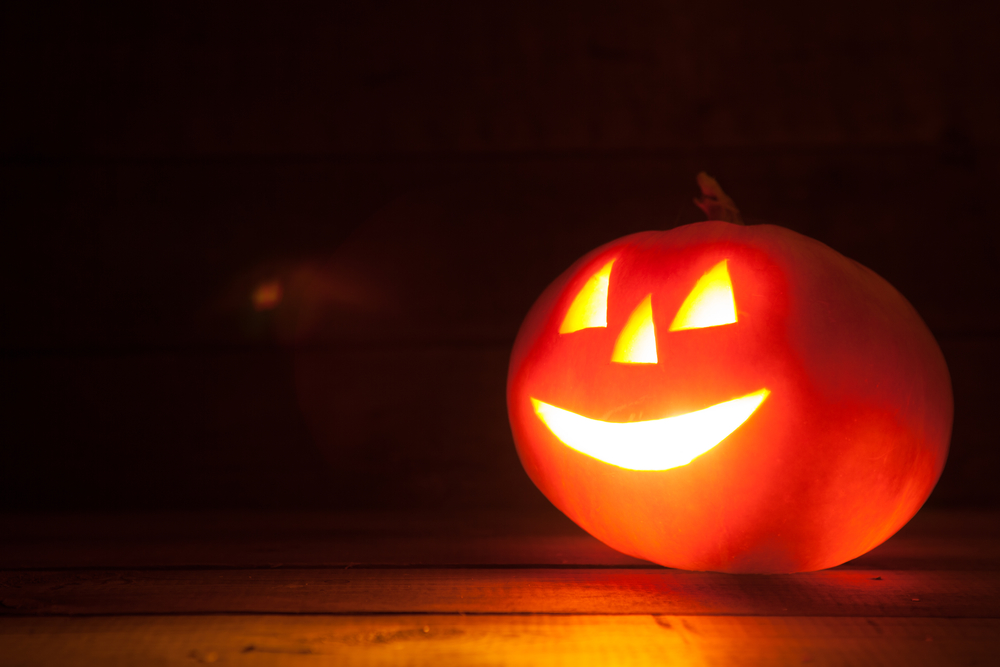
(710, 303)
(590, 307)
(637, 342)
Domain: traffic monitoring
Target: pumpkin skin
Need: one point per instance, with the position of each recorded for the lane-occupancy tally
(847, 446)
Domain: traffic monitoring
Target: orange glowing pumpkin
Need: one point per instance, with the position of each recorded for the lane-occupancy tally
(730, 398)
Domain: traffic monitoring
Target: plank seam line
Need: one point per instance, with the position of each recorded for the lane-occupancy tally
(144, 614)
(341, 566)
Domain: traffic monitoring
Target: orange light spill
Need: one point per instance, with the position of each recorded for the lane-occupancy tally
(590, 306)
(658, 444)
(710, 303)
(267, 295)
(637, 342)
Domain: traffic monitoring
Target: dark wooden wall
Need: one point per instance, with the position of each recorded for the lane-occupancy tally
(413, 175)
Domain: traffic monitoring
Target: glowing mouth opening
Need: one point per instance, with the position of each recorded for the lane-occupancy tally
(658, 444)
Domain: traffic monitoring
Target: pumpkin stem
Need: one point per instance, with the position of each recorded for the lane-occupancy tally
(715, 203)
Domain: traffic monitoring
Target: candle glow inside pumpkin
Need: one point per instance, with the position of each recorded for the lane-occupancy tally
(730, 398)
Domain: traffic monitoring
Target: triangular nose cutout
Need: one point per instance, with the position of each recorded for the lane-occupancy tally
(637, 342)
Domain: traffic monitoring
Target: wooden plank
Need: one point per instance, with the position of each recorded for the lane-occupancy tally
(492, 640)
(494, 76)
(437, 435)
(127, 255)
(494, 590)
(574, 550)
(301, 539)
(933, 540)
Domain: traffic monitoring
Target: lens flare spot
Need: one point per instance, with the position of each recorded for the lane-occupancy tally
(267, 295)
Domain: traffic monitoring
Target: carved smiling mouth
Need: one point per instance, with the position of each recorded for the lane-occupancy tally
(657, 444)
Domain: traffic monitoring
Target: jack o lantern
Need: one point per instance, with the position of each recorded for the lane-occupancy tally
(729, 398)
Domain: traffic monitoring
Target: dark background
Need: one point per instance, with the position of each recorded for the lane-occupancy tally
(413, 175)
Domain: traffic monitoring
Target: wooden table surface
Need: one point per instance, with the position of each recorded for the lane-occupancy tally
(471, 588)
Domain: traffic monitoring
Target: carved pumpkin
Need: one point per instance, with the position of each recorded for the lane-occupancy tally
(730, 398)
